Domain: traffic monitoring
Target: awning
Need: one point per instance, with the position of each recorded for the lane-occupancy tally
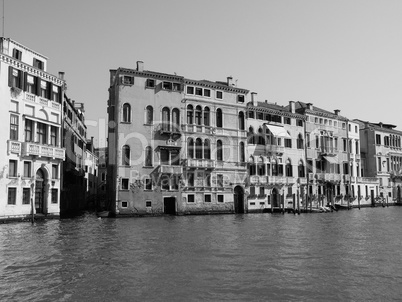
(332, 159)
(278, 131)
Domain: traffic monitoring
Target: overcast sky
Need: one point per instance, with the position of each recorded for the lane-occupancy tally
(335, 54)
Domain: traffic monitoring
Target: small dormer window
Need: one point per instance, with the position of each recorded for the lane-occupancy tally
(17, 54)
(38, 64)
(150, 83)
(128, 80)
(240, 98)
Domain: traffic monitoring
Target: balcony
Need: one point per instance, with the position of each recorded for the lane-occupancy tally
(258, 179)
(13, 147)
(302, 180)
(169, 129)
(330, 177)
(42, 151)
(168, 169)
(200, 163)
(327, 151)
(367, 180)
(29, 97)
(275, 149)
(277, 180)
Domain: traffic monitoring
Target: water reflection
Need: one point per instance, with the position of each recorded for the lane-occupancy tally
(350, 255)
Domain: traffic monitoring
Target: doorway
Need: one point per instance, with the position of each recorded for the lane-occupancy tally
(40, 192)
(275, 198)
(239, 200)
(169, 205)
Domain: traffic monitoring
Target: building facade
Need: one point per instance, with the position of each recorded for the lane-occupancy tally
(30, 179)
(276, 157)
(381, 154)
(175, 145)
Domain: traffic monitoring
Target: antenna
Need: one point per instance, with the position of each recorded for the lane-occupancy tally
(3, 21)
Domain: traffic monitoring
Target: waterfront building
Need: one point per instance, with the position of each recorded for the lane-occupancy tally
(91, 174)
(381, 153)
(101, 154)
(276, 156)
(175, 145)
(30, 161)
(328, 158)
(74, 183)
(362, 187)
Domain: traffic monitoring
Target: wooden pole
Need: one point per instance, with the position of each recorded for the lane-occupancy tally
(298, 202)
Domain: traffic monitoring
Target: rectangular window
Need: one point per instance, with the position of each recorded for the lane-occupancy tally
(207, 93)
(15, 78)
(308, 140)
(12, 196)
(378, 139)
(345, 145)
(198, 91)
(190, 90)
(124, 204)
(127, 80)
(55, 195)
(17, 54)
(251, 114)
(27, 169)
(31, 86)
(220, 180)
(299, 123)
(148, 184)
(165, 182)
(150, 83)
(176, 87)
(14, 127)
(124, 183)
(55, 172)
(219, 95)
(41, 132)
(288, 143)
(240, 98)
(38, 64)
(43, 89)
(190, 198)
(221, 198)
(12, 168)
(207, 198)
(260, 115)
(287, 120)
(53, 136)
(148, 203)
(167, 85)
(26, 195)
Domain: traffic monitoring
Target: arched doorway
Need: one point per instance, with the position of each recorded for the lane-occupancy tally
(275, 198)
(239, 200)
(40, 202)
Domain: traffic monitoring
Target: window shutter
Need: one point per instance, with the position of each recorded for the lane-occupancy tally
(25, 81)
(20, 79)
(10, 76)
(37, 86)
(49, 90)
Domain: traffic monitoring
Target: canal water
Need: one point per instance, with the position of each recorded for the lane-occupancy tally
(351, 255)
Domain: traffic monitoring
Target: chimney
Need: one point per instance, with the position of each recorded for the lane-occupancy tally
(337, 111)
(230, 81)
(292, 106)
(140, 66)
(61, 75)
(310, 106)
(254, 99)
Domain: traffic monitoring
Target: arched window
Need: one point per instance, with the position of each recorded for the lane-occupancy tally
(125, 155)
(261, 139)
(190, 114)
(198, 115)
(206, 116)
(250, 136)
(166, 119)
(260, 166)
(219, 150)
(149, 118)
(176, 120)
(357, 148)
(289, 171)
(241, 120)
(251, 166)
(301, 171)
(242, 155)
(148, 156)
(300, 143)
(207, 149)
(126, 113)
(275, 167)
(198, 148)
(190, 148)
(219, 118)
